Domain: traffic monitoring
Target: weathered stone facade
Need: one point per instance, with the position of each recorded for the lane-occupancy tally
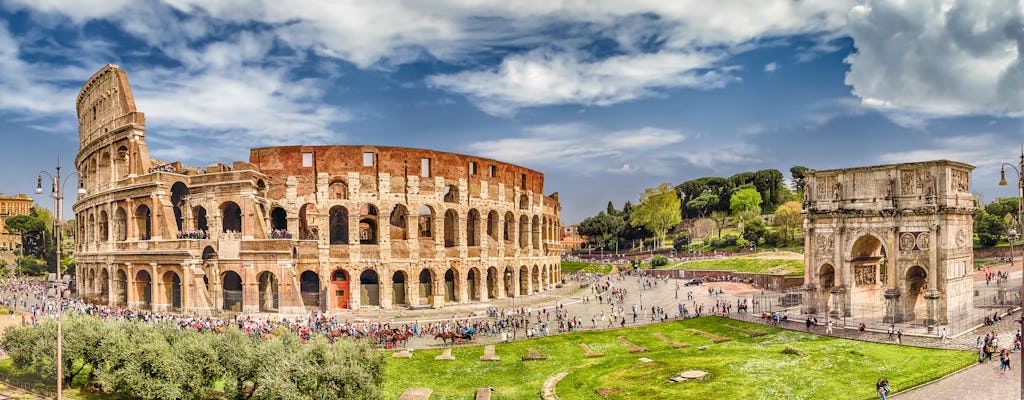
(298, 227)
(891, 240)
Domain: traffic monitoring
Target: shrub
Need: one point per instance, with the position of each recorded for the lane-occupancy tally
(659, 261)
(725, 241)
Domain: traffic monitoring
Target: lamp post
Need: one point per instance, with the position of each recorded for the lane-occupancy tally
(511, 293)
(57, 187)
(1020, 193)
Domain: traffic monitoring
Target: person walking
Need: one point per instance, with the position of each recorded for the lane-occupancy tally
(828, 328)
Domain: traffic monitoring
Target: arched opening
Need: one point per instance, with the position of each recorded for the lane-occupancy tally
(279, 219)
(492, 282)
(509, 225)
(232, 215)
(535, 232)
(104, 277)
(826, 281)
(472, 283)
(90, 235)
(536, 279)
(201, 226)
(209, 253)
(426, 288)
(398, 288)
(261, 188)
(268, 286)
(509, 281)
(307, 222)
(545, 276)
(451, 194)
(524, 280)
(473, 228)
(449, 285)
(121, 288)
(120, 225)
(369, 288)
(524, 231)
(104, 227)
(399, 224)
(172, 289)
(144, 222)
(524, 202)
(232, 286)
(915, 283)
(450, 228)
(426, 222)
(339, 225)
(309, 289)
(144, 289)
(368, 224)
(179, 194)
(337, 190)
(340, 288)
(493, 225)
(867, 256)
(121, 162)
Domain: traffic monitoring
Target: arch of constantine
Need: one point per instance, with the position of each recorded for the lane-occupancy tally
(890, 241)
(297, 227)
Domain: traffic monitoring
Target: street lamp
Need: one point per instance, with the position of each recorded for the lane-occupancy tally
(57, 189)
(511, 293)
(1020, 193)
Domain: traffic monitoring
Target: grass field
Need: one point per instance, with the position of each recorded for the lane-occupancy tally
(571, 267)
(748, 263)
(746, 367)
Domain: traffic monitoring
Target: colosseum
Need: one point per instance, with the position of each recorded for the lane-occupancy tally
(300, 227)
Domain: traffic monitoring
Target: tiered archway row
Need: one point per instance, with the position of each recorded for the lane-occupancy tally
(207, 288)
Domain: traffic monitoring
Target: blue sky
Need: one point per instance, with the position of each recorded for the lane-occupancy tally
(605, 98)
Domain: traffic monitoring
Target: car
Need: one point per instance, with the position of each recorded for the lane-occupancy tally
(693, 282)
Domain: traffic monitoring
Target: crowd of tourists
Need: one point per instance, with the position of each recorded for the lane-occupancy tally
(194, 234)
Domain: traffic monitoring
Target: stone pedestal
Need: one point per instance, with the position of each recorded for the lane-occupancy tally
(931, 297)
(892, 297)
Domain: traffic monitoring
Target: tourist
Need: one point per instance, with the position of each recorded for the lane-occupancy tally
(899, 336)
(828, 328)
(942, 335)
(892, 330)
(880, 389)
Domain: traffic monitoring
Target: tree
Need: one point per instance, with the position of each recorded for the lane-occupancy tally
(703, 228)
(36, 235)
(720, 218)
(602, 229)
(1005, 206)
(754, 230)
(988, 227)
(702, 203)
(799, 174)
(745, 200)
(658, 211)
(787, 218)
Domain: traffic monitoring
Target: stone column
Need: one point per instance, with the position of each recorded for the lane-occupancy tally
(250, 290)
(385, 288)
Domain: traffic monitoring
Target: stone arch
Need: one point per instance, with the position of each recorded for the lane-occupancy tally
(472, 283)
(231, 285)
(536, 278)
(451, 194)
(269, 289)
(368, 218)
(369, 288)
(339, 225)
(307, 222)
(90, 229)
(535, 232)
(121, 169)
(398, 281)
(103, 284)
(524, 202)
(172, 289)
(398, 221)
(309, 288)
(867, 258)
(545, 278)
(508, 227)
(231, 216)
(450, 285)
(426, 285)
(144, 289)
(337, 189)
(524, 231)
(120, 288)
(425, 221)
(120, 224)
(279, 219)
(179, 194)
(451, 228)
(492, 282)
(144, 222)
(473, 228)
(209, 253)
(509, 281)
(493, 225)
(199, 214)
(826, 281)
(524, 280)
(104, 233)
(915, 282)
(340, 283)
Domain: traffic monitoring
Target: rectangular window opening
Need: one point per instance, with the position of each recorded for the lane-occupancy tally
(367, 158)
(492, 171)
(472, 167)
(523, 179)
(307, 159)
(425, 167)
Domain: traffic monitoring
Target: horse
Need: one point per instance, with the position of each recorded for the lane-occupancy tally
(446, 337)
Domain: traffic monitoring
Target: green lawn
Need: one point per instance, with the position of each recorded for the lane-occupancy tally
(745, 264)
(744, 368)
(571, 267)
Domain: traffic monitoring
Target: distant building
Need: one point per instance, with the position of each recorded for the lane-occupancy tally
(571, 238)
(11, 206)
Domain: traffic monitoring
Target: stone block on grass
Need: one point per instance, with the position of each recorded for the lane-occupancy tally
(589, 352)
(533, 354)
(632, 347)
(445, 356)
(489, 354)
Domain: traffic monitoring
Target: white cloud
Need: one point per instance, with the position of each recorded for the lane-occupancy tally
(771, 67)
(938, 58)
(576, 145)
(713, 157)
(980, 150)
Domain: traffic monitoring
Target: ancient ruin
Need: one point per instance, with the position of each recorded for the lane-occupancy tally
(300, 227)
(890, 241)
